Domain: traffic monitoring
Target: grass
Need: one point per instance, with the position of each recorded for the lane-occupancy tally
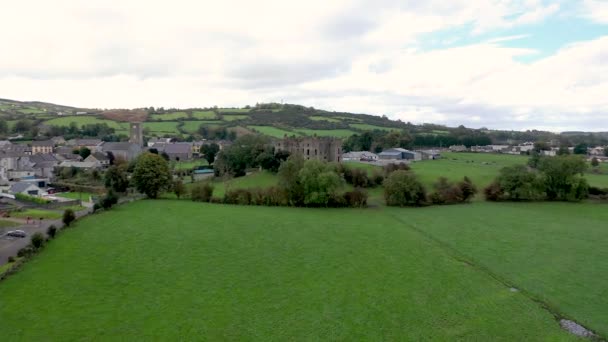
(37, 213)
(169, 127)
(6, 223)
(234, 110)
(323, 118)
(338, 133)
(273, 131)
(558, 252)
(257, 180)
(189, 165)
(257, 273)
(367, 127)
(81, 120)
(193, 126)
(76, 195)
(170, 116)
(234, 117)
(204, 115)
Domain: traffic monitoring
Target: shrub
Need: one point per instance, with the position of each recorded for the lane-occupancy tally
(109, 200)
(11, 259)
(493, 192)
(402, 188)
(96, 207)
(390, 168)
(25, 251)
(32, 199)
(201, 192)
(356, 198)
(68, 217)
(377, 178)
(469, 190)
(238, 196)
(51, 231)
(446, 193)
(37, 240)
(518, 183)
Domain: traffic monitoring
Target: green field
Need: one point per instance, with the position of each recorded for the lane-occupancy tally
(204, 115)
(6, 223)
(257, 180)
(170, 116)
(177, 270)
(323, 118)
(76, 195)
(193, 126)
(189, 165)
(235, 117)
(161, 128)
(86, 120)
(339, 133)
(273, 131)
(37, 213)
(234, 110)
(367, 127)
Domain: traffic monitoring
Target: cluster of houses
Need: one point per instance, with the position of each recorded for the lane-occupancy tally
(525, 148)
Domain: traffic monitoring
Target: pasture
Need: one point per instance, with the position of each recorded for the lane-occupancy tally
(193, 126)
(178, 270)
(273, 131)
(37, 213)
(82, 120)
(162, 128)
(323, 118)
(235, 117)
(170, 116)
(204, 115)
(368, 127)
(338, 133)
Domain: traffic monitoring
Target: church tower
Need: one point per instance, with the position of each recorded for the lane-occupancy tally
(136, 133)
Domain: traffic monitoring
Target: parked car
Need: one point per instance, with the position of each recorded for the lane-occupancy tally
(17, 233)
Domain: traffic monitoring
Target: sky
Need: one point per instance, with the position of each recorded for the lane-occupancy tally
(501, 64)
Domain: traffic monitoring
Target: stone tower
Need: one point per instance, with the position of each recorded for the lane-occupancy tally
(136, 133)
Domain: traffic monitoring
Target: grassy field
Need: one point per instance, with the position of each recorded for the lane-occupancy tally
(234, 110)
(204, 115)
(161, 128)
(257, 273)
(37, 213)
(257, 180)
(76, 195)
(170, 116)
(189, 165)
(339, 133)
(6, 223)
(193, 126)
(234, 117)
(367, 127)
(323, 118)
(273, 131)
(85, 120)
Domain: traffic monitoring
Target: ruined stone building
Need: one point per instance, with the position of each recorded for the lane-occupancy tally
(320, 148)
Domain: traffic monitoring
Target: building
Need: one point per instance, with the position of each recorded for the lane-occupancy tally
(360, 156)
(176, 151)
(136, 136)
(44, 164)
(25, 188)
(79, 164)
(58, 141)
(99, 158)
(458, 148)
(122, 150)
(430, 154)
(91, 144)
(319, 148)
(42, 147)
(399, 154)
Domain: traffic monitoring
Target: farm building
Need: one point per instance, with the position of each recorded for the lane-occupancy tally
(399, 154)
(319, 148)
(360, 156)
(25, 188)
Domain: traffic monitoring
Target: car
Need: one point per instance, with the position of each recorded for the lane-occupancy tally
(17, 233)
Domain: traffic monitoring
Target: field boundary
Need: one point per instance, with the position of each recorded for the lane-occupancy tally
(461, 257)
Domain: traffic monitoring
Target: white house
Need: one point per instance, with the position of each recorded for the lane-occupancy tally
(360, 156)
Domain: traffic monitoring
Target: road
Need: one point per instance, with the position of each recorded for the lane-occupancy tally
(9, 246)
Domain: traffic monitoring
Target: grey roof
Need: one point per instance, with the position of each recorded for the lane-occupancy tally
(78, 164)
(39, 158)
(117, 146)
(43, 143)
(85, 142)
(173, 148)
(20, 187)
(390, 153)
(100, 156)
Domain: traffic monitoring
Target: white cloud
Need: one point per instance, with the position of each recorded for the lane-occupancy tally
(596, 10)
(345, 55)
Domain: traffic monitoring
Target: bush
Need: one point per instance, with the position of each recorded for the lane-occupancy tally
(469, 190)
(109, 200)
(68, 217)
(238, 196)
(356, 198)
(390, 168)
(51, 231)
(446, 193)
(32, 199)
(377, 178)
(96, 207)
(11, 259)
(37, 240)
(25, 251)
(493, 192)
(402, 188)
(201, 192)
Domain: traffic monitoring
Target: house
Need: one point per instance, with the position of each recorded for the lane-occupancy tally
(79, 164)
(319, 148)
(176, 151)
(4, 144)
(12, 161)
(44, 164)
(595, 151)
(551, 153)
(458, 148)
(430, 154)
(25, 188)
(360, 156)
(399, 154)
(42, 147)
(155, 140)
(122, 150)
(100, 158)
(58, 141)
(91, 144)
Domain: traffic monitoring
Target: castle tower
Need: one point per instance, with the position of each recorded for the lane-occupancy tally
(136, 133)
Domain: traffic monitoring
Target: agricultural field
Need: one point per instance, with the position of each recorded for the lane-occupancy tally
(367, 127)
(161, 128)
(260, 273)
(235, 117)
(170, 116)
(273, 131)
(234, 110)
(193, 126)
(37, 213)
(85, 196)
(338, 133)
(189, 165)
(323, 118)
(204, 115)
(86, 120)
(256, 180)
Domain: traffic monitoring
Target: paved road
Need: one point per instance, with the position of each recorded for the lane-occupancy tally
(9, 246)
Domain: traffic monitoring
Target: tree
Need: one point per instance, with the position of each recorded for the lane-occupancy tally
(319, 183)
(84, 152)
(51, 231)
(402, 188)
(68, 217)
(580, 149)
(178, 188)
(37, 240)
(289, 179)
(541, 146)
(3, 127)
(595, 162)
(116, 178)
(165, 156)
(563, 151)
(151, 174)
(517, 183)
(234, 160)
(209, 151)
(109, 200)
(563, 178)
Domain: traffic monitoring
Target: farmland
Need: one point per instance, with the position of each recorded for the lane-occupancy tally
(86, 120)
(273, 131)
(203, 115)
(170, 116)
(339, 133)
(193, 126)
(161, 128)
(243, 273)
(367, 127)
(234, 117)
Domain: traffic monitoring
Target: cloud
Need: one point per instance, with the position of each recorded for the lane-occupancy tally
(353, 55)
